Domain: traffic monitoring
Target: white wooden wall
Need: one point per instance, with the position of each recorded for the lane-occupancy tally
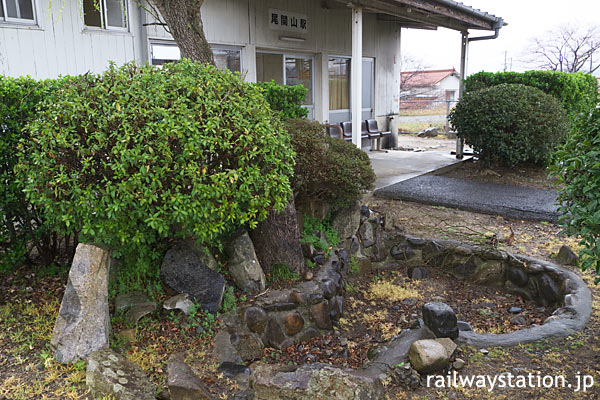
(60, 45)
(245, 23)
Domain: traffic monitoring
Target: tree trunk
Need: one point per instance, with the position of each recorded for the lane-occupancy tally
(277, 240)
(184, 20)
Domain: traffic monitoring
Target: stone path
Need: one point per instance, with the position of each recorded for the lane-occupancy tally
(482, 197)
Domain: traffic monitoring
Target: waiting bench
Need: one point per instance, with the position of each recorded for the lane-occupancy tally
(369, 129)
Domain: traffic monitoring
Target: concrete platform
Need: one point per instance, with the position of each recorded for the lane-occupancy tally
(482, 197)
(397, 166)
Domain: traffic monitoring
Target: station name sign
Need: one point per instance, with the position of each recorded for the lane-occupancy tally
(288, 21)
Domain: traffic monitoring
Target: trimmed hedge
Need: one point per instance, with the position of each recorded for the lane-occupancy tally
(577, 167)
(510, 124)
(327, 169)
(23, 227)
(139, 155)
(577, 92)
(287, 100)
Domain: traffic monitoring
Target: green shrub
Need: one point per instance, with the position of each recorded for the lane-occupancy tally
(23, 228)
(577, 92)
(140, 155)
(510, 124)
(577, 167)
(287, 100)
(327, 169)
(311, 234)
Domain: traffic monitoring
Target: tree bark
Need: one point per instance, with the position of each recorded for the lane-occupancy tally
(277, 240)
(184, 19)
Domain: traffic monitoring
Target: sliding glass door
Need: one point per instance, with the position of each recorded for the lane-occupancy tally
(289, 70)
(339, 89)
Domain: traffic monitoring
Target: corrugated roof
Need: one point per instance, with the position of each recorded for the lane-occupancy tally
(474, 11)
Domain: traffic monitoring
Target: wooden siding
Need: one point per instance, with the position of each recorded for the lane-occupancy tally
(60, 44)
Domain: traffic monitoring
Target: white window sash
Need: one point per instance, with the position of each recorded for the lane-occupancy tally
(123, 4)
(19, 20)
(104, 18)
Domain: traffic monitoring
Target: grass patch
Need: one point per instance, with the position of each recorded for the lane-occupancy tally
(282, 273)
(390, 292)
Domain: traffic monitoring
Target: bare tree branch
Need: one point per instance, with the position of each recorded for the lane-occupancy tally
(567, 49)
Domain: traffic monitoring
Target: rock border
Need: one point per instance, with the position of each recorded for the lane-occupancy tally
(538, 280)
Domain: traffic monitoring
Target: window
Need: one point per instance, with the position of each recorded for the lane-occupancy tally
(228, 59)
(450, 95)
(22, 11)
(161, 53)
(339, 83)
(287, 69)
(105, 14)
(225, 58)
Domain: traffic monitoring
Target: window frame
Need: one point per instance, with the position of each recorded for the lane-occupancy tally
(104, 17)
(310, 107)
(230, 48)
(173, 43)
(21, 21)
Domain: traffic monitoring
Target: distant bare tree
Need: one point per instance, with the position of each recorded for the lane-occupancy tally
(567, 49)
(411, 68)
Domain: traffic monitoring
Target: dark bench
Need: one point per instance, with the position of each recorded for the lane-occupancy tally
(369, 129)
(334, 131)
(373, 128)
(364, 132)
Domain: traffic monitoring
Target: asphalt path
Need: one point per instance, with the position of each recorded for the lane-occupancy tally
(482, 197)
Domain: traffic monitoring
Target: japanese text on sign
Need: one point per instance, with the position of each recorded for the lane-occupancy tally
(287, 21)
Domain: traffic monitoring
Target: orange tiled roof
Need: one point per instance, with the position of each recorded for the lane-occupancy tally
(426, 78)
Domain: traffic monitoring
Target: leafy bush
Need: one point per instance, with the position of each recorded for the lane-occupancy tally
(577, 167)
(285, 99)
(577, 92)
(139, 155)
(327, 169)
(510, 124)
(23, 228)
(311, 234)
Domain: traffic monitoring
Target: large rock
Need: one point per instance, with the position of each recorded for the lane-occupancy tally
(244, 266)
(548, 289)
(256, 319)
(566, 256)
(428, 356)
(277, 240)
(346, 221)
(312, 382)
(111, 374)
(183, 383)
(248, 345)
(83, 322)
(184, 270)
(223, 350)
(441, 319)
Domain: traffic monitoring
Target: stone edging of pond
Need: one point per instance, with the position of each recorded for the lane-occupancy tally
(540, 281)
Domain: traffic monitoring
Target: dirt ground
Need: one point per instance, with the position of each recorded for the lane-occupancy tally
(441, 142)
(29, 302)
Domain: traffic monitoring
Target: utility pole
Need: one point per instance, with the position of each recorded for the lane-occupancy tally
(505, 60)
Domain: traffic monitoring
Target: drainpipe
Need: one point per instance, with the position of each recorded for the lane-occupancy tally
(464, 49)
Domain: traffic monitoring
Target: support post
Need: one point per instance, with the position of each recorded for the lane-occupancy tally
(464, 48)
(356, 75)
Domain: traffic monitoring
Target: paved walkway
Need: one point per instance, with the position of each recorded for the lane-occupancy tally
(482, 197)
(396, 165)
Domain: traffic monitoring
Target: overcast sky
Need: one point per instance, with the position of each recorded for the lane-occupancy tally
(526, 19)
